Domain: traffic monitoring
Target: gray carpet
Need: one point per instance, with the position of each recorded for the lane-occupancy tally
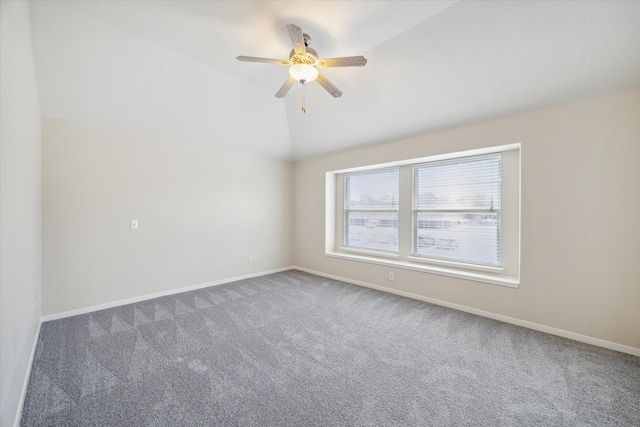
(293, 349)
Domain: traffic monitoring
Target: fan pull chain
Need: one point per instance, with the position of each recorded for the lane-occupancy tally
(304, 109)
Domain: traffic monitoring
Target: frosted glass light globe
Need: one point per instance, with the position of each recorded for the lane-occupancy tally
(303, 72)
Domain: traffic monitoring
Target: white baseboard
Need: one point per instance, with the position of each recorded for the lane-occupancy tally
(27, 376)
(132, 300)
(524, 323)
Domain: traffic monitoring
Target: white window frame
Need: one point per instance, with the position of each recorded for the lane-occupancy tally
(508, 274)
(347, 210)
(416, 211)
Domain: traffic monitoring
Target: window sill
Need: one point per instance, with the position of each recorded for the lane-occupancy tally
(509, 281)
(371, 253)
(456, 265)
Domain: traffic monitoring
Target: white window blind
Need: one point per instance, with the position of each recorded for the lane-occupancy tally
(371, 210)
(456, 210)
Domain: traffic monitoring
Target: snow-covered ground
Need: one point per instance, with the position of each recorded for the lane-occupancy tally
(468, 242)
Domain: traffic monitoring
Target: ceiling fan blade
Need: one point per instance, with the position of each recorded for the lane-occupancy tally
(297, 39)
(345, 61)
(328, 86)
(282, 92)
(264, 60)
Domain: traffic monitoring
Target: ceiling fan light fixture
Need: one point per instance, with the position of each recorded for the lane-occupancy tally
(305, 72)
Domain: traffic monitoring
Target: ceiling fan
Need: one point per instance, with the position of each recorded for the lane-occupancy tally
(303, 63)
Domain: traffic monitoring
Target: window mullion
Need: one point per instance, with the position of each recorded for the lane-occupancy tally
(405, 214)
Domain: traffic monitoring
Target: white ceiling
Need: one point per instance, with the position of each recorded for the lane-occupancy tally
(168, 68)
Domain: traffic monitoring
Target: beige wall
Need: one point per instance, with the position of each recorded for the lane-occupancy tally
(201, 213)
(20, 230)
(580, 224)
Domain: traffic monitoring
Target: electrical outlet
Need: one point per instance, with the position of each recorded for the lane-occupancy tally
(273, 255)
(392, 276)
(250, 258)
(134, 224)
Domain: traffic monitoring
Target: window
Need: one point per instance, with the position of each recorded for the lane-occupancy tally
(371, 210)
(456, 210)
(454, 214)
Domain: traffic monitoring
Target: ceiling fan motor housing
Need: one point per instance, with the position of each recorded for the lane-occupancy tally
(310, 57)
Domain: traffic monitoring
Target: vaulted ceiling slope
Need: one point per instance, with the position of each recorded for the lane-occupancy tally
(168, 68)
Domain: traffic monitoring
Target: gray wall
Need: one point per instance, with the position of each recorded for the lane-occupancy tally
(579, 218)
(20, 229)
(202, 212)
